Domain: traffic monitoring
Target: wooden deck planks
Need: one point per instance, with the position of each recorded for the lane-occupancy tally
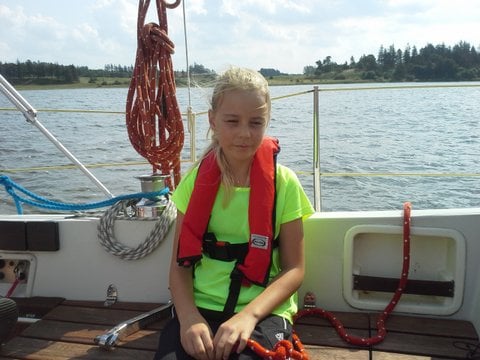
(83, 334)
(318, 331)
(427, 337)
(424, 345)
(38, 349)
(330, 353)
(434, 327)
(99, 316)
(409, 335)
(67, 331)
(325, 336)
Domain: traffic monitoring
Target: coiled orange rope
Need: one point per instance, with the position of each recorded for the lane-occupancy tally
(285, 350)
(154, 121)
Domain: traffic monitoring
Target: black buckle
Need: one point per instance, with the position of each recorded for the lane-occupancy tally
(213, 249)
(223, 251)
(236, 274)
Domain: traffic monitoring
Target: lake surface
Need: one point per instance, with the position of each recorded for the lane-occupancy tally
(390, 136)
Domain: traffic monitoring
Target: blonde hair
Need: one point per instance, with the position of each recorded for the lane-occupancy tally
(237, 78)
(234, 78)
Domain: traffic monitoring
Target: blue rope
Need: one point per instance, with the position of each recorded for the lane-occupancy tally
(38, 201)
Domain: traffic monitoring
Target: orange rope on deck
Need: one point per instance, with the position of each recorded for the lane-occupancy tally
(154, 121)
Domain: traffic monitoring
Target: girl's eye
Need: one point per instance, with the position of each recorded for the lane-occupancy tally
(257, 123)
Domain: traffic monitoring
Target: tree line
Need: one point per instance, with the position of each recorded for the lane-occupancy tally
(430, 63)
(36, 72)
(39, 72)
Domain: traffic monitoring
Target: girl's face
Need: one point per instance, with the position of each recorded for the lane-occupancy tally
(239, 123)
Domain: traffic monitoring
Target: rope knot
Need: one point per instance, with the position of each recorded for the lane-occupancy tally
(281, 349)
(7, 183)
(5, 180)
(153, 37)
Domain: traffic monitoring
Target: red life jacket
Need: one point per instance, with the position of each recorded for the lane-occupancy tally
(255, 267)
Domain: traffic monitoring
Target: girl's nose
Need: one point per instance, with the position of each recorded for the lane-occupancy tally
(244, 130)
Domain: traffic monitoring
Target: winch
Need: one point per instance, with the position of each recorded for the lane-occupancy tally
(152, 208)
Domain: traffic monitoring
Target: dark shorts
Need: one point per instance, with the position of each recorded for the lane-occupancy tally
(267, 333)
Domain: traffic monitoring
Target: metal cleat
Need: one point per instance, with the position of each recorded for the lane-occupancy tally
(309, 300)
(112, 296)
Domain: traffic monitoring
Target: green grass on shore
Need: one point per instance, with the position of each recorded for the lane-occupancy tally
(203, 81)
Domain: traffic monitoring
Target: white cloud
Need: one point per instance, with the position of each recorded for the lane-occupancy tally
(84, 33)
(283, 34)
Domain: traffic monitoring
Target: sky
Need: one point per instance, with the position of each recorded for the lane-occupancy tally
(286, 35)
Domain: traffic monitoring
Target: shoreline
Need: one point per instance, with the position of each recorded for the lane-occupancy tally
(284, 80)
(287, 80)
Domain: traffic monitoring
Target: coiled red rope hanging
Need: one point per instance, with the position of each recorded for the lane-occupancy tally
(284, 349)
(154, 122)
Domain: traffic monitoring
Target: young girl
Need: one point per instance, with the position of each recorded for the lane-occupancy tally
(238, 248)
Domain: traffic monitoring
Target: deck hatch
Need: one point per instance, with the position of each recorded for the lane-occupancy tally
(372, 264)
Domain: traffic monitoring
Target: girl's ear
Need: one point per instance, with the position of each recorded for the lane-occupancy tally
(211, 119)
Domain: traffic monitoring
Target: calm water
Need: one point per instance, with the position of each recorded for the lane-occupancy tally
(422, 130)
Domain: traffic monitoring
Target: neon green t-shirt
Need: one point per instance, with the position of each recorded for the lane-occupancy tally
(212, 277)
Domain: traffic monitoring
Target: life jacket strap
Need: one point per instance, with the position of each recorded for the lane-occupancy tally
(236, 279)
(225, 251)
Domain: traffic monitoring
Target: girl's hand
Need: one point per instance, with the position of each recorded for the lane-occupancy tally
(196, 337)
(232, 335)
